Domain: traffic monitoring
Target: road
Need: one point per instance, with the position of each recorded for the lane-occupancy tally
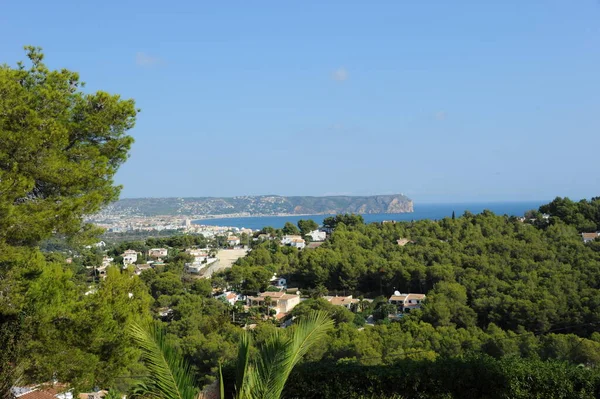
(227, 257)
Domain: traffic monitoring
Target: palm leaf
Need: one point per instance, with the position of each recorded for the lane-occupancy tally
(169, 374)
(279, 355)
(244, 381)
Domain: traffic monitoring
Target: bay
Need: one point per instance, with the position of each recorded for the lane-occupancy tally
(421, 211)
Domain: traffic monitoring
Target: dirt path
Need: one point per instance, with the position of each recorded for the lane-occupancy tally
(227, 257)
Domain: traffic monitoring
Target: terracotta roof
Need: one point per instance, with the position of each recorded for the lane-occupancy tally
(44, 392)
(292, 237)
(397, 297)
(589, 236)
(280, 316)
(231, 295)
(280, 295)
(275, 294)
(342, 300)
(415, 296)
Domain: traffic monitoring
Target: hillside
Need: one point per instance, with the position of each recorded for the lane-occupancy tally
(262, 205)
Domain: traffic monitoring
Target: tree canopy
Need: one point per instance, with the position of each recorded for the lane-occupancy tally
(59, 150)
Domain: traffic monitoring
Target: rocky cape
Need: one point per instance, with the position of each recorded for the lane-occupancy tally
(263, 205)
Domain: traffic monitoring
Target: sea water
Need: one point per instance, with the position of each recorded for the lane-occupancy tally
(421, 211)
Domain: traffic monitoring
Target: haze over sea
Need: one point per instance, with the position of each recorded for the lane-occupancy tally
(421, 211)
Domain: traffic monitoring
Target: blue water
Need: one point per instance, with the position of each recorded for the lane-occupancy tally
(421, 211)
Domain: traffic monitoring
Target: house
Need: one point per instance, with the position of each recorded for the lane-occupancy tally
(196, 266)
(200, 254)
(158, 253)
(317, 235)
(93, 395)
(298, 243)
(42, 391)
(287, 239)
(403, 241)
(280, 301)
(233, 241)
(140, 268)
(197, 252)
(346, 301)
(278, 282)
(264, 237)
(587, 237)
(99, 270)
(229, 297)
(129, 257)
(406, 302)
(106, 260)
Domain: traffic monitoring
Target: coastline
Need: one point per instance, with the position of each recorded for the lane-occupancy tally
(197, 218)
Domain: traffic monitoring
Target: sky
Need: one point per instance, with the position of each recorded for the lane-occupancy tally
(444, 101)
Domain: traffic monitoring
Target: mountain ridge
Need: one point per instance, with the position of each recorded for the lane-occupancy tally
(263, 205)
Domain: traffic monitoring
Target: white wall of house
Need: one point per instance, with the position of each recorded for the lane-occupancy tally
(317, 235)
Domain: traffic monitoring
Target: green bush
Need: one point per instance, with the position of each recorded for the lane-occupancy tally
(472, 377)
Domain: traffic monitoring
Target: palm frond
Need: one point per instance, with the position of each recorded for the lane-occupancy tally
(281, 353)
(169, 374)
(244, 380)
(221, 383)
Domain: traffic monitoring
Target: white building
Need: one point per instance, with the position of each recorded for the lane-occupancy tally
(588, 237)
(196, 267)
(317, 235)
(129, 257)
(106, 260)
(158, 253)
(229, 297)
(280, 301)
(278, 282)
(287, 240)
(298, 243)
(233, 241)
(406, 302)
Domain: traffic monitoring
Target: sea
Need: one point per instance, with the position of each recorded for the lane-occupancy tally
(421, 211)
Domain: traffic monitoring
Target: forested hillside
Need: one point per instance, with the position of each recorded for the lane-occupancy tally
(261, 205)
(493, 283)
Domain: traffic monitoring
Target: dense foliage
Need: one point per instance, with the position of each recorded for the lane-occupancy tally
(494, 284)
(59, 150)
(470, 377)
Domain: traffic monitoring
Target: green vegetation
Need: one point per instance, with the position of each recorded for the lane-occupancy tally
(258, 377)
(59, 150)
(583, 215)
(467, 377)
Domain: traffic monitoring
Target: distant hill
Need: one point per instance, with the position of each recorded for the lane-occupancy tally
(261, 205)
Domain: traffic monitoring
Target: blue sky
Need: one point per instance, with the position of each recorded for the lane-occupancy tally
(445, 101)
